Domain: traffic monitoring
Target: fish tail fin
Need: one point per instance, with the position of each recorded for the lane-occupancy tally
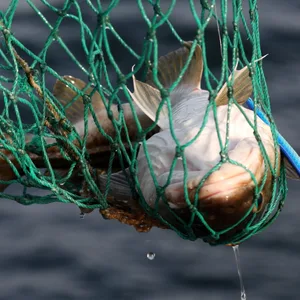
(147, 96)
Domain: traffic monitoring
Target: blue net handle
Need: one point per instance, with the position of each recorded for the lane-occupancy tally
(285, 147)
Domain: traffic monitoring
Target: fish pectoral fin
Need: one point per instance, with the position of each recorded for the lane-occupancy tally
(148, 99)
(171, 65)
(65, 94)
(242, 88)
(291, 172)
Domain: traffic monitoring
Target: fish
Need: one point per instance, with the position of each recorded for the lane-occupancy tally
(228, 193)
(97, 145)
(225, 196)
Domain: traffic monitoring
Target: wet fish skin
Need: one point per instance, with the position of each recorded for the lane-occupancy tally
(228, 193)
(219, 211)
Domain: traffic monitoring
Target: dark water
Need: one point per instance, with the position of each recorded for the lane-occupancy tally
(48, 252)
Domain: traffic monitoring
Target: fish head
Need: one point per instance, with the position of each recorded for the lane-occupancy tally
(230, 195)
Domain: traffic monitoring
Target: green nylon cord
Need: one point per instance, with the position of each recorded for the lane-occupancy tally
(16, 93)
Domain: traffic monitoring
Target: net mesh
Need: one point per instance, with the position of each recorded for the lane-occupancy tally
(24, 86)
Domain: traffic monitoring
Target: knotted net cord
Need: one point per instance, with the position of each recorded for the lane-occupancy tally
(23, 84)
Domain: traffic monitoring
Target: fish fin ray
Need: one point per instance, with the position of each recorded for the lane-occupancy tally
(148, 100)
(147, 96)
(170, 66)
(242, 88)
(65, 94)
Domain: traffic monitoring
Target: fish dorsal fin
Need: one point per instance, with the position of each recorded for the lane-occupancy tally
(148, 100)
(290, 170)
(170, 66)
(65, 94)
(242, 88)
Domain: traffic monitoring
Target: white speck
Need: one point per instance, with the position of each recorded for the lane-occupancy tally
(150, 255)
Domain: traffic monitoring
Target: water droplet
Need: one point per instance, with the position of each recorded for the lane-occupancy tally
(237, 260)
(150, 255)
(81, 215)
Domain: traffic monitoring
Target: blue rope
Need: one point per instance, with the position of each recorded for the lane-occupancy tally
(285, 147)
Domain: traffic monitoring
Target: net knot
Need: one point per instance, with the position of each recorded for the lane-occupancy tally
(114, 147)
(157, 9)
(103, 19)
(229, 91)
(122, 80)
(54, 190)
(193, 209)
(179, 151)
(61, 12)
(213, 95)
(151, 34)
(164, 93)
(159, 191)
(6, 32)
(204, 4)
(13, 98)
(235, 26)
(92, 77)
(86, 99)
(55, 34)
(280, 206)
(141, 136)
(43, 67)
(251, 13)
(199, 35)
(21, 152)
(110, 114)
(63, 123)
(224, 156)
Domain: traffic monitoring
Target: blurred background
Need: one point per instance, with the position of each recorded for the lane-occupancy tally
(49, 252)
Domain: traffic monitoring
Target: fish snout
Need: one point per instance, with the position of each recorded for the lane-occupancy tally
(227, 197)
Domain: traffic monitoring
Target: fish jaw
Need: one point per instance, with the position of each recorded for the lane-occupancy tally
(228, 194)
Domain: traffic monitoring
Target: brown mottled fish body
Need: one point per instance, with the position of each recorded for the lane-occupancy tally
(97, 144)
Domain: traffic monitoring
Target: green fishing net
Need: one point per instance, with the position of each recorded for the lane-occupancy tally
(24, 86)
